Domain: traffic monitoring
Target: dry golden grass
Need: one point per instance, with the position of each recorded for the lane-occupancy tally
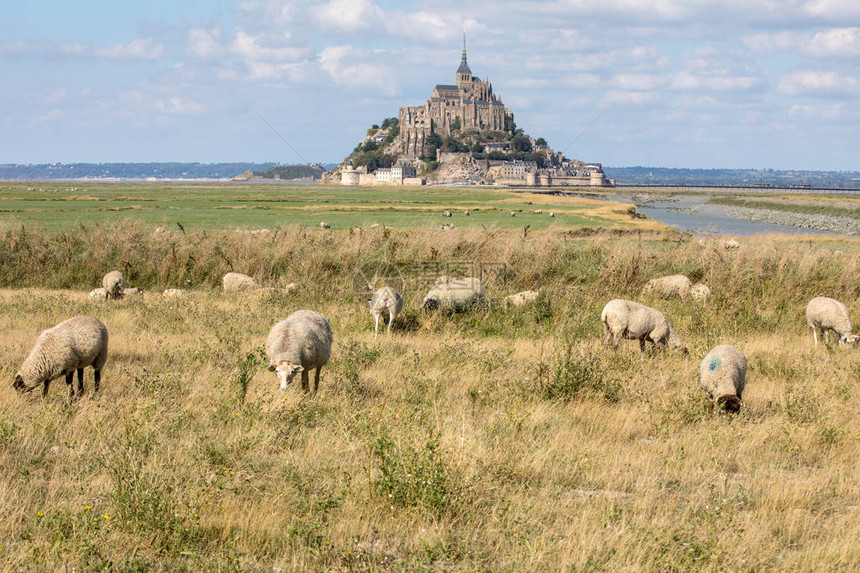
(498, 440)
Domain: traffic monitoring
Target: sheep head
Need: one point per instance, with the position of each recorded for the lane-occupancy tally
(285, 370)
(849, 338)
(431, 304)
(20, 385)
(730, 403)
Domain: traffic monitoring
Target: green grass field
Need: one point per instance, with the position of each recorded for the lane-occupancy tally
(212, 206)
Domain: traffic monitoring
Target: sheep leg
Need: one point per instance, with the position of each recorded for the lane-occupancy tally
(390, 320)
(815, 335)
(376, 328)
(80, 382)
(641, 345)
(70, 382)
(317, 379)
(45, 388)
(98, 378)
(305, 381)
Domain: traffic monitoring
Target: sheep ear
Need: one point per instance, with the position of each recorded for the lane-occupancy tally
(271, 368)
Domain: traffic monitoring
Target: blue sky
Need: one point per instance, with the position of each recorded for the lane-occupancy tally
(699, 83)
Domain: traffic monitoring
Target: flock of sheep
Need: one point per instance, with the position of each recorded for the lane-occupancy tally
(303, 341)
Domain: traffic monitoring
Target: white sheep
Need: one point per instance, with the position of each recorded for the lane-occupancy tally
(447, 227)
(700, 292)
(521, 298)
(132, 291)
(551, 214)
(723, 375)
(457, 295)
(238, 281)
(98, 293)
(634, 321)
(71, 345)
(324, 225)
(667, 287)
(446, 214)
(385, 302)
(114, 284)
(174, 292)
(443, 279)
(823, 314)
(299, 343)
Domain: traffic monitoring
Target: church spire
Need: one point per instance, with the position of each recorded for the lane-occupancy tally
(464, 74)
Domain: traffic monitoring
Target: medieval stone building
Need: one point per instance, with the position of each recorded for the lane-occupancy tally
(471, 100)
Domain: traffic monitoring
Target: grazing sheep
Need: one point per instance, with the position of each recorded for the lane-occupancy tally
(324, 225)
(513, 214)
(467, 214)
(723, 375)
(238, 281)
(299, 343)
(824, 314)
(443, 279)
(385, 302)
(521, 298)
(634, 321)
(447, 227)
(700, 292)
(730, 244)
(132, 291)
(538, 211)
(100, 292)
(446, 214)
(551, 214)
(114, 284)
(71, 345)
(455, 295)
(174, 292)
(667, 287)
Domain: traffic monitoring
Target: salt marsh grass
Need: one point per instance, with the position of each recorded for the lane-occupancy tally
(501, 440)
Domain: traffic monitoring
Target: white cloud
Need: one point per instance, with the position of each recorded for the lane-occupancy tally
(632, 98)
(836, 42)
(825, 112)
(179, 105)
(637, 82)
(17, 48)
(345, 66)
(688, 81)
(204, 44)
(251, 48)
(767, 42)
(73, 49)
(814, 82)
(51, 115)
(348, 15)
(137, 49)
(832, 10)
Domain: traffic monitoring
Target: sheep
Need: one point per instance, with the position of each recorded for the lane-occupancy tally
(238, 281)
(455, 295)
(324, 225)
(114, 283)
(100, 292)
(551, 214)
(513, 213)
(700, 292)
(385, 302)
(538, 211)
(447, 227)
(730, 244)
(667, 287)
(824, 314)
(521, 298)
(72, 345)
(443, 279)
(634, 321)
(723, 375)
(446, 214)
(132, 291)
(467, 214)
(174, 292)
(299, 343)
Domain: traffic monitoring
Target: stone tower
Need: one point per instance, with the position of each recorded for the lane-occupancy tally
(463, 78)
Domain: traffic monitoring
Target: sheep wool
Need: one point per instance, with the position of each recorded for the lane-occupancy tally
(59, 351)
(299, 343)
(459, 294)
(385, 302)
(723, 376)
(823, 314)
(667, 287)
(238, 281)
(633, 321)
(114, 283)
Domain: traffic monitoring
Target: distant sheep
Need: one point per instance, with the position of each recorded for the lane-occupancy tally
(823, 314)
(385, 302)
(299, 343)
(513, 214)
(730, 244)
(238, 281)
(700, 292)
(132, 291)
(667, 287)
(324, 225)
(447, 227)
(114, 284)
(174, 292)
(456, 295)
(521, 298)
(71, 345)
(98, 293)
(551, 214)
(538, 212)
(634, 321)
(723, 375)
(446, 214)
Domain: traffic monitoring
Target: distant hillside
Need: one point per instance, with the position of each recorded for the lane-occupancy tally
(50, 171)
(286, 172)
(768, 177)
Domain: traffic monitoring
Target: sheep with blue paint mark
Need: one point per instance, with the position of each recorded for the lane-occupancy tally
(723, 376)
